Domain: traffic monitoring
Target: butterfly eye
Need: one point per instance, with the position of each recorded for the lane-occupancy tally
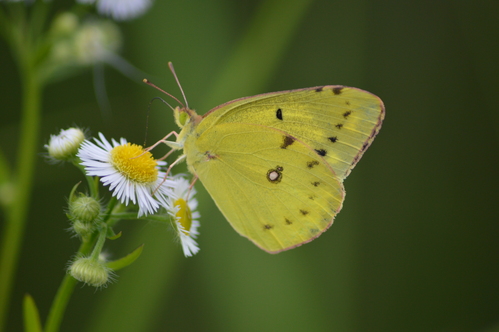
(181, 116)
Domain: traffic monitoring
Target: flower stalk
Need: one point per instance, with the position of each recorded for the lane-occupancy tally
(17, 211)
(64, 292)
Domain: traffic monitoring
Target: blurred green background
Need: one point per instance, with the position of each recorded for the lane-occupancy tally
(415, 247)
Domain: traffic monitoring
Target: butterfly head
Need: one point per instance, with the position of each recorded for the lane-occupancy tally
(184, 115)
(181, 116)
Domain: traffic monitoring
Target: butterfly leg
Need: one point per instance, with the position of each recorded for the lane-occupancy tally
(166, 155)
(163, 140)
(191, 186)
(179, 159)
(173, 145)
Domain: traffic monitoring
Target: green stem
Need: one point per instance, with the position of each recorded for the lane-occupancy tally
(113, 208)
(64, 293)
(60, 303)
(99, 245)
(16, 213)
(92, 181)
(131, 215)
(93, 184)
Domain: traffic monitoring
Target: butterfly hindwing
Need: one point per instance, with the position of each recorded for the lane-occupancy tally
(338, 122)
(272, 187)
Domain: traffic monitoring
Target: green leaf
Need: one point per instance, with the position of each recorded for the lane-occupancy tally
(125, 261)
(111, 235)
(31, 315)
(73, 192)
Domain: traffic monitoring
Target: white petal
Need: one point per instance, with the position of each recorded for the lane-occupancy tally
(123, 9)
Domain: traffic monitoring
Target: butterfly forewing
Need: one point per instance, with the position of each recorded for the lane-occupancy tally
(272, 187)
(337, 122)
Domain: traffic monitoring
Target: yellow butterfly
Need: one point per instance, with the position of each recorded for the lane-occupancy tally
(275, 163)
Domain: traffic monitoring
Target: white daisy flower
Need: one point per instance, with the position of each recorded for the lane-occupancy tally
(181, 206)
(120, 10)
(131, 173)
(65, 145)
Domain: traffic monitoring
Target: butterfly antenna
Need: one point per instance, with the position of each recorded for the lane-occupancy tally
(178, 83)
(146, 81)
(163, 101)
(149, 111)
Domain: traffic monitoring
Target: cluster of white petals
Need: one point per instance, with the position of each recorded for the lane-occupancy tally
(120, 10)
(182, 208)
(134, 176)
(148, 195)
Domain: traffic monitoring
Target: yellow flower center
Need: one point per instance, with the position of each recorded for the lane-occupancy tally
(185, 215)
(134, 163)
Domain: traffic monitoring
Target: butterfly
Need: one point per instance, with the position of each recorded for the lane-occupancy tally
(274, 163)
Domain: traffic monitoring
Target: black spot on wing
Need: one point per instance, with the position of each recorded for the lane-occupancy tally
(278, 114)
(287, 141)
(337, 91)
(319, 89)
(304, 212)
(288, 222)
(311, 164)
(321, 152)
(333, 139)
(314, 231)
(316, 183)
(339, 125)
(210, 156)
(267, 227)
(346, 114)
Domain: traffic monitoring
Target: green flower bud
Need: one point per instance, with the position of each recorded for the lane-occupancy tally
(64, 24)
(83, 229)
(90, 271)
(84, 208)
(65, 145)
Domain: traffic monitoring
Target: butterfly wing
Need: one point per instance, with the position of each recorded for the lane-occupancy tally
(338, 122)
(272, 187)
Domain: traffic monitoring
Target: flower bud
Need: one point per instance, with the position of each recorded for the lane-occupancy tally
(90, 271)
(83, 229)
(65, 145)
(84, 208)
(64, 24)
(84, 213)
